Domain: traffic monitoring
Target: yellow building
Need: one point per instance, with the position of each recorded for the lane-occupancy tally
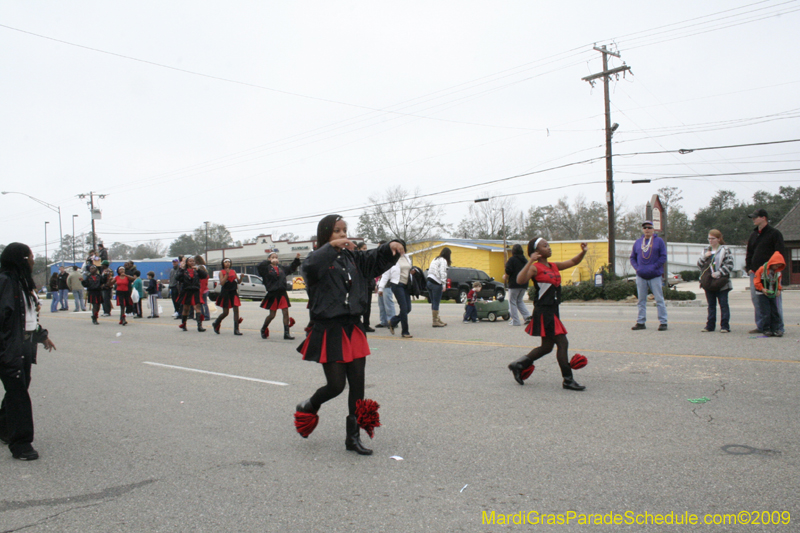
(487, 255)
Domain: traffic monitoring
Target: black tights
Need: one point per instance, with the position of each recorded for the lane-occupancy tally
(225, 314)
(337, 374)
(271, 316)
(561, 343)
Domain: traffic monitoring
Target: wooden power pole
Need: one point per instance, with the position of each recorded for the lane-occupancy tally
(606, 74)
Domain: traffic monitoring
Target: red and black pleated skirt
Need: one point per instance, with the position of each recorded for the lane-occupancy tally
(94, 297)
(339, 340)
(228, 299)
(124, 298)
(275, 300)
(545, 322)
(190, 297)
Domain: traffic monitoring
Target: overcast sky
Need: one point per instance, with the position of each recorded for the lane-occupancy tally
(257, 114)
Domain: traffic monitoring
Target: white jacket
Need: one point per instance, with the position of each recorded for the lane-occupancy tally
(390, 276)
(438, 270)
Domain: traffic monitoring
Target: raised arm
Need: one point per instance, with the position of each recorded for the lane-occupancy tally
(563, 265)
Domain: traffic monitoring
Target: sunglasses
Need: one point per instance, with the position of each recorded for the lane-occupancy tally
(648, 227)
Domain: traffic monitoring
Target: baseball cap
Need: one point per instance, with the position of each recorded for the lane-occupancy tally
(647, 223)
(758, 213)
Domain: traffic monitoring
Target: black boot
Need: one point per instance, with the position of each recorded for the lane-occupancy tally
(571, 384)
(286, 335)
(353, 440)
(94, 319)
(200, 327)
(517, 367)
(306, 407)
(216, 325)
(183, 323)
(236, 329)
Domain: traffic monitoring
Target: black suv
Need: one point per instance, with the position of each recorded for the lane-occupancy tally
(459, 283)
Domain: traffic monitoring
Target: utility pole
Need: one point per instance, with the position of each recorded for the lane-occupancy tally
(94, 215)
(606, 74)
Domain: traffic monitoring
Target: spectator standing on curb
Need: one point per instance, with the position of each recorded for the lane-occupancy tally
(54, 294)
(108, 285)
(764, 242)
(174, 288)
(516, 291)
(648, 257)
(63, 290)
(437, 279)
(719, 260)
(385, 302)
(152, 294)
(767, 280)
(74, 282)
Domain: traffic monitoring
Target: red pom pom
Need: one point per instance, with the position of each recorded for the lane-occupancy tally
(241, 320)
(291, 322)
(305, 423)
(578, 361)
(525, 374)
(367, 416)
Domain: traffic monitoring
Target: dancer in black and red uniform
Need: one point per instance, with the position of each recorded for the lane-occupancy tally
(189, 277)
(546, 322)
(228, 298)
(94, 291)
(336, 277)
(273, 274)
(124, 284)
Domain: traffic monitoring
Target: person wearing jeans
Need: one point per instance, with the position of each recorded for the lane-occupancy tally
(56, 296)
(385, 302)
(719, 260)
(402, 270)
(63, 290)
(437, 279)
(75, 284)
(648, 257)
(516, 291)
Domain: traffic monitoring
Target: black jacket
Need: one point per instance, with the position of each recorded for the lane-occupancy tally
(514, 265)
(62, 281)
(274, 278)
(337, 280)
(190, 283)
(416, 282)
(53, 283)
(762, 245)
(12, 325)
(93, 283)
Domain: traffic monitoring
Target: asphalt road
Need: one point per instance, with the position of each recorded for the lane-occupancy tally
(128, 445)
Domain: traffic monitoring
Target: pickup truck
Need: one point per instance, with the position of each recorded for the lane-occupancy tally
(251, 287)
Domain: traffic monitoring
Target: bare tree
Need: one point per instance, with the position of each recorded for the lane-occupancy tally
(400, 214)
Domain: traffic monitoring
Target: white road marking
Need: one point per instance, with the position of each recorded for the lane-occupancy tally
(279, 383)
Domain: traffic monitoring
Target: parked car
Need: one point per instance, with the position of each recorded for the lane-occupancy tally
(163, 293)
(251, 287)
(459, 283)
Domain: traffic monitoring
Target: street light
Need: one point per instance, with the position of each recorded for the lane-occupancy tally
(73, 238)
(48, 206)
(46, 266)
(503, 222)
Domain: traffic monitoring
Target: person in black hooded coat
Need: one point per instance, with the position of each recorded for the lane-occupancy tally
(19, 333)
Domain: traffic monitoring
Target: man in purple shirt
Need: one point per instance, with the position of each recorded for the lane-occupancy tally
(648, 257)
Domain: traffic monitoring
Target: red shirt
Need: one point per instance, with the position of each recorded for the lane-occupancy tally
(122, 283)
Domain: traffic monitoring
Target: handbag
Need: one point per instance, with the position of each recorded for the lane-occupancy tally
(134, 296)
(709, 282)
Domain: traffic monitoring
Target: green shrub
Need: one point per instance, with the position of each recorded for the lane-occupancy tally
(690, 275)
(671, 294)
(619, 290)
